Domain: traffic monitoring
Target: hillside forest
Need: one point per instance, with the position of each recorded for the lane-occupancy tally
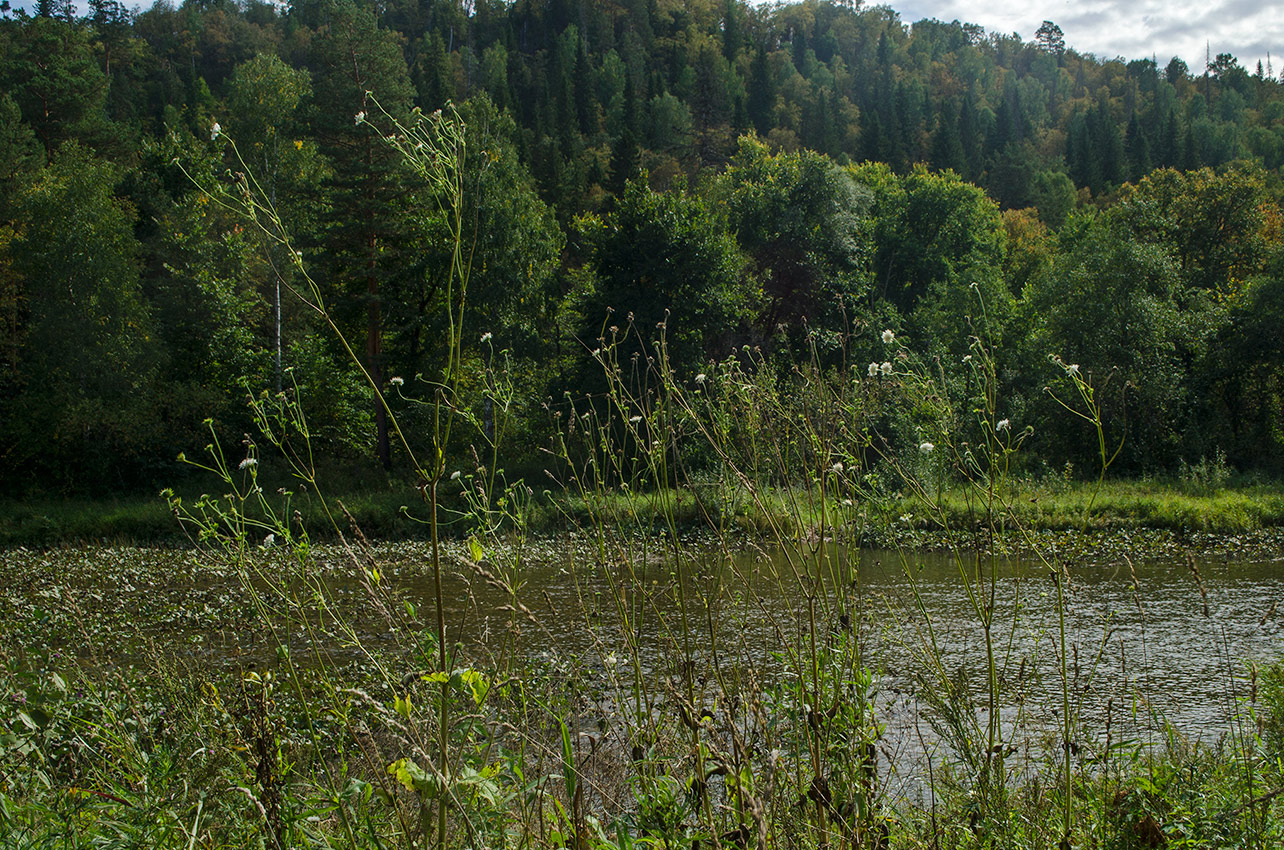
(779, 183)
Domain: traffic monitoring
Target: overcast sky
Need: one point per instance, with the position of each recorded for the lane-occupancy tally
(1133, 29)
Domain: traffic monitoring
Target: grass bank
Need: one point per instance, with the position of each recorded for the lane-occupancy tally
(389, 513)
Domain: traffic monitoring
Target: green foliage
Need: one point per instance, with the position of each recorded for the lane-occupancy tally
(804, 224)
(517, 244)
(660, 258)
(86, 353)
(1109, 306)
(582, 100)
(939, 246)
(48, 69)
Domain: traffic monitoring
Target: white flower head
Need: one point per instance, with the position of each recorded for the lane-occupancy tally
(248, 462)
(635, 419)
(215, 131)
(701, 378)
(837, 468)
(396, 382)
(926, 447)
(888, 336)
(1003, 425)
(269, 540)
(454, 476)
(873, 370)
(885, 367)
(485, 337)
(967, 358)
(359, 118)
(1072, 369)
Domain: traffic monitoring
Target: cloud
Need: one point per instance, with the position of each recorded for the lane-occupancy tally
(1247, 29)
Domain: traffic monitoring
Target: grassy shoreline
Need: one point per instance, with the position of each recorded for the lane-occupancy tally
(1043, 507)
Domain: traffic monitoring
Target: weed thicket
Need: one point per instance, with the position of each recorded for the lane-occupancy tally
(674, 730)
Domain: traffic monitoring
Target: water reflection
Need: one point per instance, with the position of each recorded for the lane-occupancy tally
(1144, 641)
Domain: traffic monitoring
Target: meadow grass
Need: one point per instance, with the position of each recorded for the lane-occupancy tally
(1041, 505)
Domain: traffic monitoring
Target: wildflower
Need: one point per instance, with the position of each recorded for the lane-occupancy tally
(837, 467)
(926, 447)
(270, 540)
(885, 367)
(635, 419)
(360, 117)
(485, 337)
(701, 378)
(396, 382)
(873, 370)
(454, 476)
(215, 131)
(1003, 425)
(1072, 369)
(248, 462)
(967, 358)
(888, 336)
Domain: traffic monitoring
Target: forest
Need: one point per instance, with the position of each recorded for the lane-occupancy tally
(776, 183)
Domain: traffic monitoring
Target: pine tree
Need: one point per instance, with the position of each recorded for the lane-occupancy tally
(761, 99)
(1137, 150)
(732, 33)
(947, 148)
(367, 240)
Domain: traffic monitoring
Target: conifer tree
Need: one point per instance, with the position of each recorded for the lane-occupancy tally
(367, 239)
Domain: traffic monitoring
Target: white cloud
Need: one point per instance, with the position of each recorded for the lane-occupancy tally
(1133, 29)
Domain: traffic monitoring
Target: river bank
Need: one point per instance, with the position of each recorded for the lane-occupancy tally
(1189, 510)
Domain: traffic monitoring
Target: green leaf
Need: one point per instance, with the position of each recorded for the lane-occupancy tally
(477, 683)
(568, 762)
(414, 778)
